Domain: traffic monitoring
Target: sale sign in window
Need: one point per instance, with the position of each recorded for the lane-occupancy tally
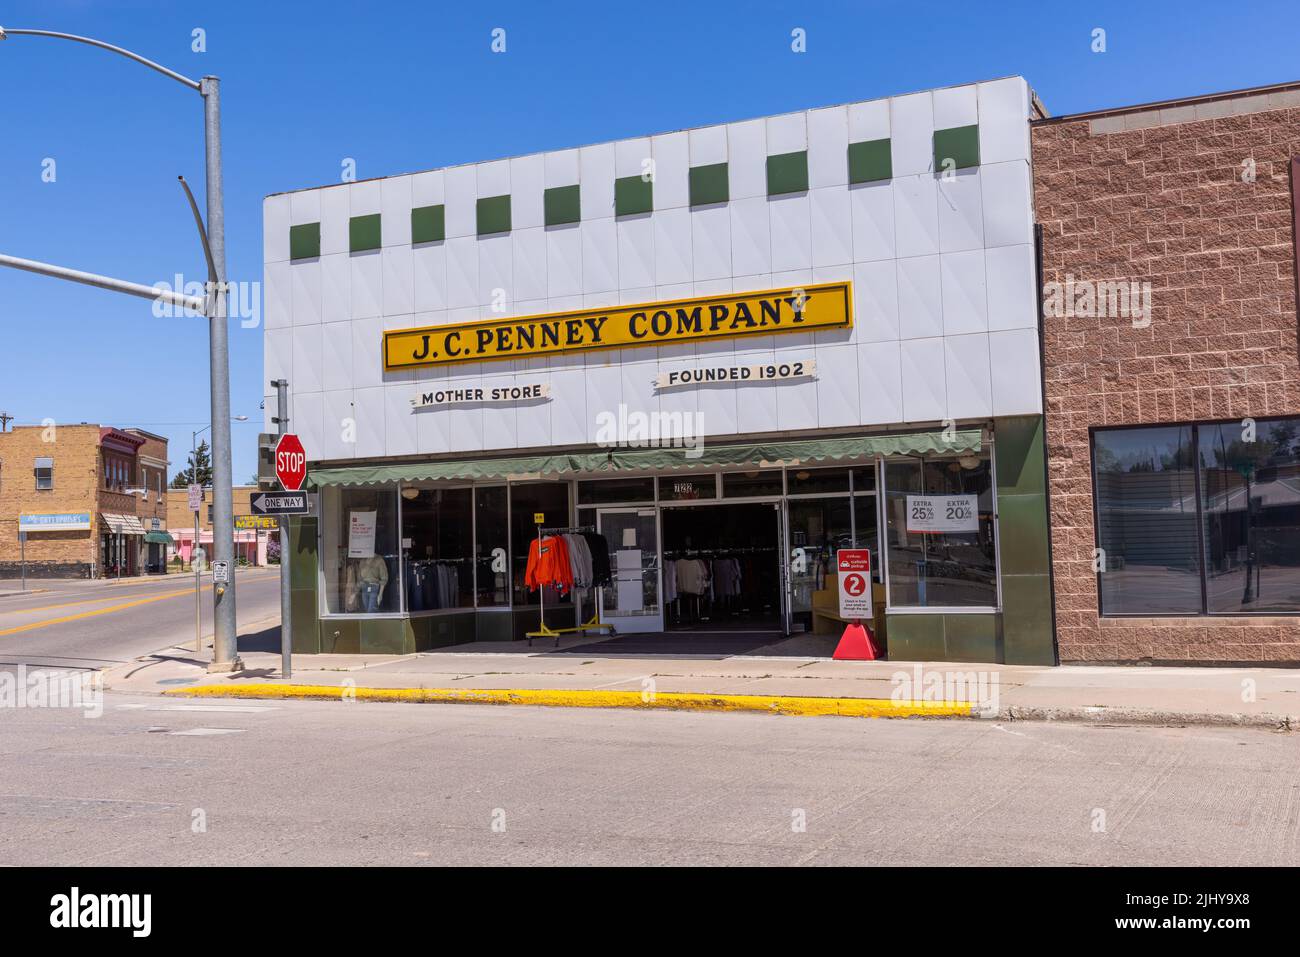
(931, 514)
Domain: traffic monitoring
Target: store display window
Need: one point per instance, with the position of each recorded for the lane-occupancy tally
(437, 540)
(941, 549)
(360, 557)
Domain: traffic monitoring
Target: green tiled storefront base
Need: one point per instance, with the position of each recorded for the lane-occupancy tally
(1021, 637)
(973, 637)
(404, 636)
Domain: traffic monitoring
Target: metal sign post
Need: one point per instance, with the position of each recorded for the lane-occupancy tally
(196, 502)
(22, 547)
(281, 421)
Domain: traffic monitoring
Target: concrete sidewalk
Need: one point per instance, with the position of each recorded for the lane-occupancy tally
(512, 673)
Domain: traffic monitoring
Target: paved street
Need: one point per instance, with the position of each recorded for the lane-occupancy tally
(321, 782)
(356, 783)
(88, 624)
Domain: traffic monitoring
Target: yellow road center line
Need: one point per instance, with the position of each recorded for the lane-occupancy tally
(87, 601)
(93, 612)
(69, 604)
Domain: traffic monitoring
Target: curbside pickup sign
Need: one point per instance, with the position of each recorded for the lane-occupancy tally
(854, 567)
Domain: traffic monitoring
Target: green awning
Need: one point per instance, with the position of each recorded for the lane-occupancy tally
(622, 459)
(157, 538)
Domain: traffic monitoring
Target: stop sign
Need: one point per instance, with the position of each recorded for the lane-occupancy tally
(290, 462)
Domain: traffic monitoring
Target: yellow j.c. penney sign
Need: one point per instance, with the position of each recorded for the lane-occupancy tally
(796, 309)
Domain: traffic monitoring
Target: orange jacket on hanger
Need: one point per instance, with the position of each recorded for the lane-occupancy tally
(548, 564)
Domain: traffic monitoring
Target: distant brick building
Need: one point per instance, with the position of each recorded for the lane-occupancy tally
(1172, 390)
(90, 499)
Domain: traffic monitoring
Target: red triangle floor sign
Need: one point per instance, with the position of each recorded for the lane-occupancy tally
(855, 645)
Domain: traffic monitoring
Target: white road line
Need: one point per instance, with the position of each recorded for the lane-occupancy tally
(228, 709)
(207, 731)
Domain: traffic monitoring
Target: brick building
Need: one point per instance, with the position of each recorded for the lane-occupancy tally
(1172, 393)
(90, 499)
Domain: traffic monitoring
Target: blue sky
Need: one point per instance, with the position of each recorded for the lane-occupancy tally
(410, 86)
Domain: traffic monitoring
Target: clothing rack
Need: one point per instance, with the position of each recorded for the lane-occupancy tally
(702, 607)
(543, 630)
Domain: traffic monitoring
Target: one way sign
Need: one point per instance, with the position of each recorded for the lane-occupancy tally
(279, 503)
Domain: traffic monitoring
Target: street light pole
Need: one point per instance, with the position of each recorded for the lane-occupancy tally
(225, 654)
(194, 547)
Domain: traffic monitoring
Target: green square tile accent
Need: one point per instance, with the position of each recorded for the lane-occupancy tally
(301, 536)
(306, 626)
(304, 241)
(386, 636)
(787, 173)
(1027, 620)
(340, 636)
(961, 144)
(493, 215)
(363, 233)
(1018, 447)
(493, 626)
(915, 637)
(562, 204)
(870, 161)
(972, 638)
(429, 224)
(1022, 534)
(633, 195)
(709, 184)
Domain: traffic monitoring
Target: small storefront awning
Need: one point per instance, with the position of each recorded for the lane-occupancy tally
(122, 524)
(157, 538)
(797, 452)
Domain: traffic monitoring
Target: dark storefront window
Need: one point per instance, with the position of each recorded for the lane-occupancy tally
(437, 533)
(492, 549)
(608, 491)
(687, 488)
(939, 524)
(1250, 491)
(1149, 560)
(812, 481)
(552, 500)
(1199, 519)
(752, 484)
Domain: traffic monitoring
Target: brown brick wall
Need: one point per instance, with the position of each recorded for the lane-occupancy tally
(75, 451)
(1165, 204)
(154, 505)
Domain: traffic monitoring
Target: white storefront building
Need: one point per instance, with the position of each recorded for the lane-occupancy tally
(834, 311)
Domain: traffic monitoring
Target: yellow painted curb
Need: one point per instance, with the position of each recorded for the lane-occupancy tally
(566, 698)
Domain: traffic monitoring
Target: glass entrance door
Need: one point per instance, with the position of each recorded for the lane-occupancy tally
(631, 601)
(818, 528)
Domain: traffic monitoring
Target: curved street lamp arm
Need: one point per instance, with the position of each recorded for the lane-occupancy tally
(179, 78)
(203, 236)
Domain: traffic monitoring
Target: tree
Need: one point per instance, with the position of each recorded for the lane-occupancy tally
(198, 470)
